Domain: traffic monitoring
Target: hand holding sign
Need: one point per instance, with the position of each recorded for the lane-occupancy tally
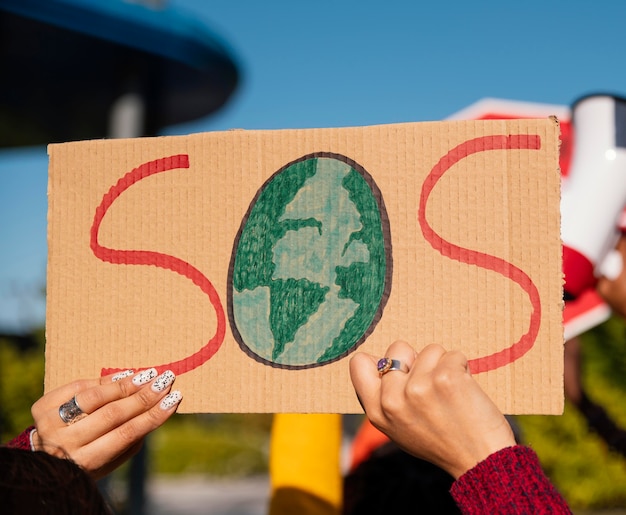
(108, 419)
(436, 411)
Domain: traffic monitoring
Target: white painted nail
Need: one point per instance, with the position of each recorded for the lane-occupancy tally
(122, 375)
(163, 381)
(144, 376)
(171, 400)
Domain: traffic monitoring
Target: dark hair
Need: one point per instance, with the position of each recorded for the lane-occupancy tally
(393, 481)
(38, 483)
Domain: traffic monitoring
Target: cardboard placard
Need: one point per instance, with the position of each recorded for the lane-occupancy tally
(254, 263)
(589, 309)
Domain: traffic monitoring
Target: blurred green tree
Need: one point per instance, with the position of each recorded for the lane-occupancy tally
(21, 380)
(582, 466)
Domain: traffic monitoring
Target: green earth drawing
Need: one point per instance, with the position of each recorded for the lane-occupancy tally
(311, 265)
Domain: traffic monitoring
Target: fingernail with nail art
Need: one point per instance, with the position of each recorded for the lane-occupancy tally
(171, 400)
(122, 375)
(144, 376)
(163, 381)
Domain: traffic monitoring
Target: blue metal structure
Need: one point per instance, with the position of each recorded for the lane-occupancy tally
(65, 62)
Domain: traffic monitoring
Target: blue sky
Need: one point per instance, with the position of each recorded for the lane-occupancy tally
(349, 63)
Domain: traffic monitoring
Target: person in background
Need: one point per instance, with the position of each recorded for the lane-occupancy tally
(613, 292)
(388, 476)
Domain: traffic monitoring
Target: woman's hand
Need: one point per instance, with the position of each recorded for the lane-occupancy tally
(435, 411)
(119, 411)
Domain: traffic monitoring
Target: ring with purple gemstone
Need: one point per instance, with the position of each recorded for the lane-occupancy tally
(385, 365)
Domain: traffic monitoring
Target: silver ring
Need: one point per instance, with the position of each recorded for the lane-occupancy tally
(385, 365)
(70, 411)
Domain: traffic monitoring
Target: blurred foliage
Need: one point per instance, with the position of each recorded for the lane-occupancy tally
(217, 445)
(213, 446)
(580, 464)
(21, 381)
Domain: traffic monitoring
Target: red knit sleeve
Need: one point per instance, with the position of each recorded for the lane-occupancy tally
(21, 441)
(509, 482)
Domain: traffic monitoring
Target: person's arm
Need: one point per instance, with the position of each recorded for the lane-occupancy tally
(509, 481)
(23, 440)
(436, 411)
(116, 413)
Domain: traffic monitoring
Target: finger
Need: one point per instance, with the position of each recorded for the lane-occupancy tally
(114, 464)
(393, 382)
(364, 376)
(64, 393)
(427, 359)
(58, 396)
(89, 395)
(455, 360)
(402, 352)
(94, 398)
(118, 441)
(114, 414)
(113, 378)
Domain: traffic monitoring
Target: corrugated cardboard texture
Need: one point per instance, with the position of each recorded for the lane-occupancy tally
(254, 263)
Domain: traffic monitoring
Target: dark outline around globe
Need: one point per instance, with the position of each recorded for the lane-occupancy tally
(311, 266)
